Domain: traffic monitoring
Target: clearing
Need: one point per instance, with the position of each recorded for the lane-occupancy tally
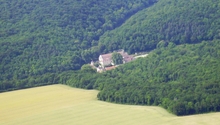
(63, 105)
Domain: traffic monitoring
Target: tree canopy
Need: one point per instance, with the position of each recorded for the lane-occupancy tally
(117, 58)
(183, 79)
(41, 39)
(177, 21)
(47, 41)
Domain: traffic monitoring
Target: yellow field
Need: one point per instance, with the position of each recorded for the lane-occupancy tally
(63, 105)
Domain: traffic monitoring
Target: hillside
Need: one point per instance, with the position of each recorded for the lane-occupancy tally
(47, 42)
(183, 79)
(40, 39)
(178, 21)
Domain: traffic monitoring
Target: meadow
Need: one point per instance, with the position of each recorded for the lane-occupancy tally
(63, 105)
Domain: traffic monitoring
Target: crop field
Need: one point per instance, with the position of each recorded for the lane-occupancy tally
(63, 105)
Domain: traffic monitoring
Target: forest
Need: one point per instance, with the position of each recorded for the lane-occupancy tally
(177, 21)
(50, 42)
(40, 39)
(183, 79)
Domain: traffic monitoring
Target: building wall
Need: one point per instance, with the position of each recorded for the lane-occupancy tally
(101, 60)
(104, 62)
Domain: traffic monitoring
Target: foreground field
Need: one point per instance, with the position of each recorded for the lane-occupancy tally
(62, 105)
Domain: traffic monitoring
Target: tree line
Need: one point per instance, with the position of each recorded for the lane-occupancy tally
(182, 79)
(44, 38)
(169, 20)
(47, 42)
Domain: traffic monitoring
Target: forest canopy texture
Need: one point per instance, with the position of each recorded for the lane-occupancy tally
(40, 39)
(183, 79)
(48, 42)
(178, 21)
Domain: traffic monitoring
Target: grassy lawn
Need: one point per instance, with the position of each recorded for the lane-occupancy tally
(63, 105)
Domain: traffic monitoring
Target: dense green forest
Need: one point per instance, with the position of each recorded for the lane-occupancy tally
(48, 42)
(183, 79)
(40, 39)
(178, 21)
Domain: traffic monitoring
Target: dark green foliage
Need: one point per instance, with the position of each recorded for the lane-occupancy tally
(47, 41)
(178, 21)
(117, 58)
(40, 37)
(183, 79)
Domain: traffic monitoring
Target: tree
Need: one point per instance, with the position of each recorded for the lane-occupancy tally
(117, 58)
(162, 44)
(87, 68)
